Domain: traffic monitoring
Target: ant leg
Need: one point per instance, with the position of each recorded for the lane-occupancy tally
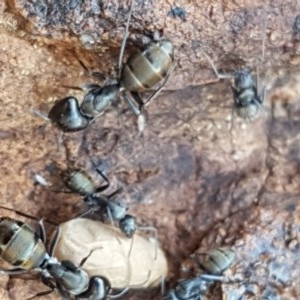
(39, 114)
(132, 106)
(124, 39)
(116, 192)
(84, 87)
(41, 230)
(19, 212)
(263, 30)
(115, 296)
(235, 104)
(154, 230)
(209, 277)
(109, 214)
(90, 86)
(125, 290)
(154, 95)
(110, 217)
(131, 246)
(263, 95)
(54, 241)
(139, 284)
(48, 282)
(83, 261)
(13, 271)
(136, 110)
(59, 140)
(87, 212)
(261, 107)
(99, 171)
(163, 285)
(26, 215)
(103, 187)
(44, 293)
(137, 98)
(257, 78)
(219, 75)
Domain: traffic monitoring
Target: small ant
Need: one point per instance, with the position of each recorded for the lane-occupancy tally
(247, 100)
(218, 261)
(78, 181)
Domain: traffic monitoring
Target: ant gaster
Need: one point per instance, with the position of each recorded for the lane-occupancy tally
(78, 181)
(218, 260)
(25, 249)
(142, 71)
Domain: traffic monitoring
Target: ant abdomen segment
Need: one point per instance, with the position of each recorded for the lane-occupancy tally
(25, 249)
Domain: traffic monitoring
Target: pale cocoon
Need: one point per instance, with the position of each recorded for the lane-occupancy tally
(78, 237)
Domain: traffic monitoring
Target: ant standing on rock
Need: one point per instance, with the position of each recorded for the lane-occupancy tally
(247, 100)
(142, 71)
(218, 261)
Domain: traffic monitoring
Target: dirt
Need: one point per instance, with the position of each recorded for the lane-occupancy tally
(200, 184)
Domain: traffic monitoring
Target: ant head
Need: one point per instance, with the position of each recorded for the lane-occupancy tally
(64, 107)
(66, 115)
(128, 225)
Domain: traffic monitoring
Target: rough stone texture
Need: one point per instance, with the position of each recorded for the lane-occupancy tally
(198, 184)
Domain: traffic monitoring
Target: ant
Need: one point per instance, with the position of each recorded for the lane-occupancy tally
(217, 262)
(247, 100)
(142, 71)
(25, 249)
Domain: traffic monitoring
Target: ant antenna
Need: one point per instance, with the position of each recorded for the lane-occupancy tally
(264, 25)
(39, 114)
(54, 241)
(154, 230)
(115, 296)
(131, 286)
(218, 75)
(26, 215)
(125, 38)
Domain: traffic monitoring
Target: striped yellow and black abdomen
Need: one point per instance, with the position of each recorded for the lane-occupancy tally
(20, 245)
(143, 70)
